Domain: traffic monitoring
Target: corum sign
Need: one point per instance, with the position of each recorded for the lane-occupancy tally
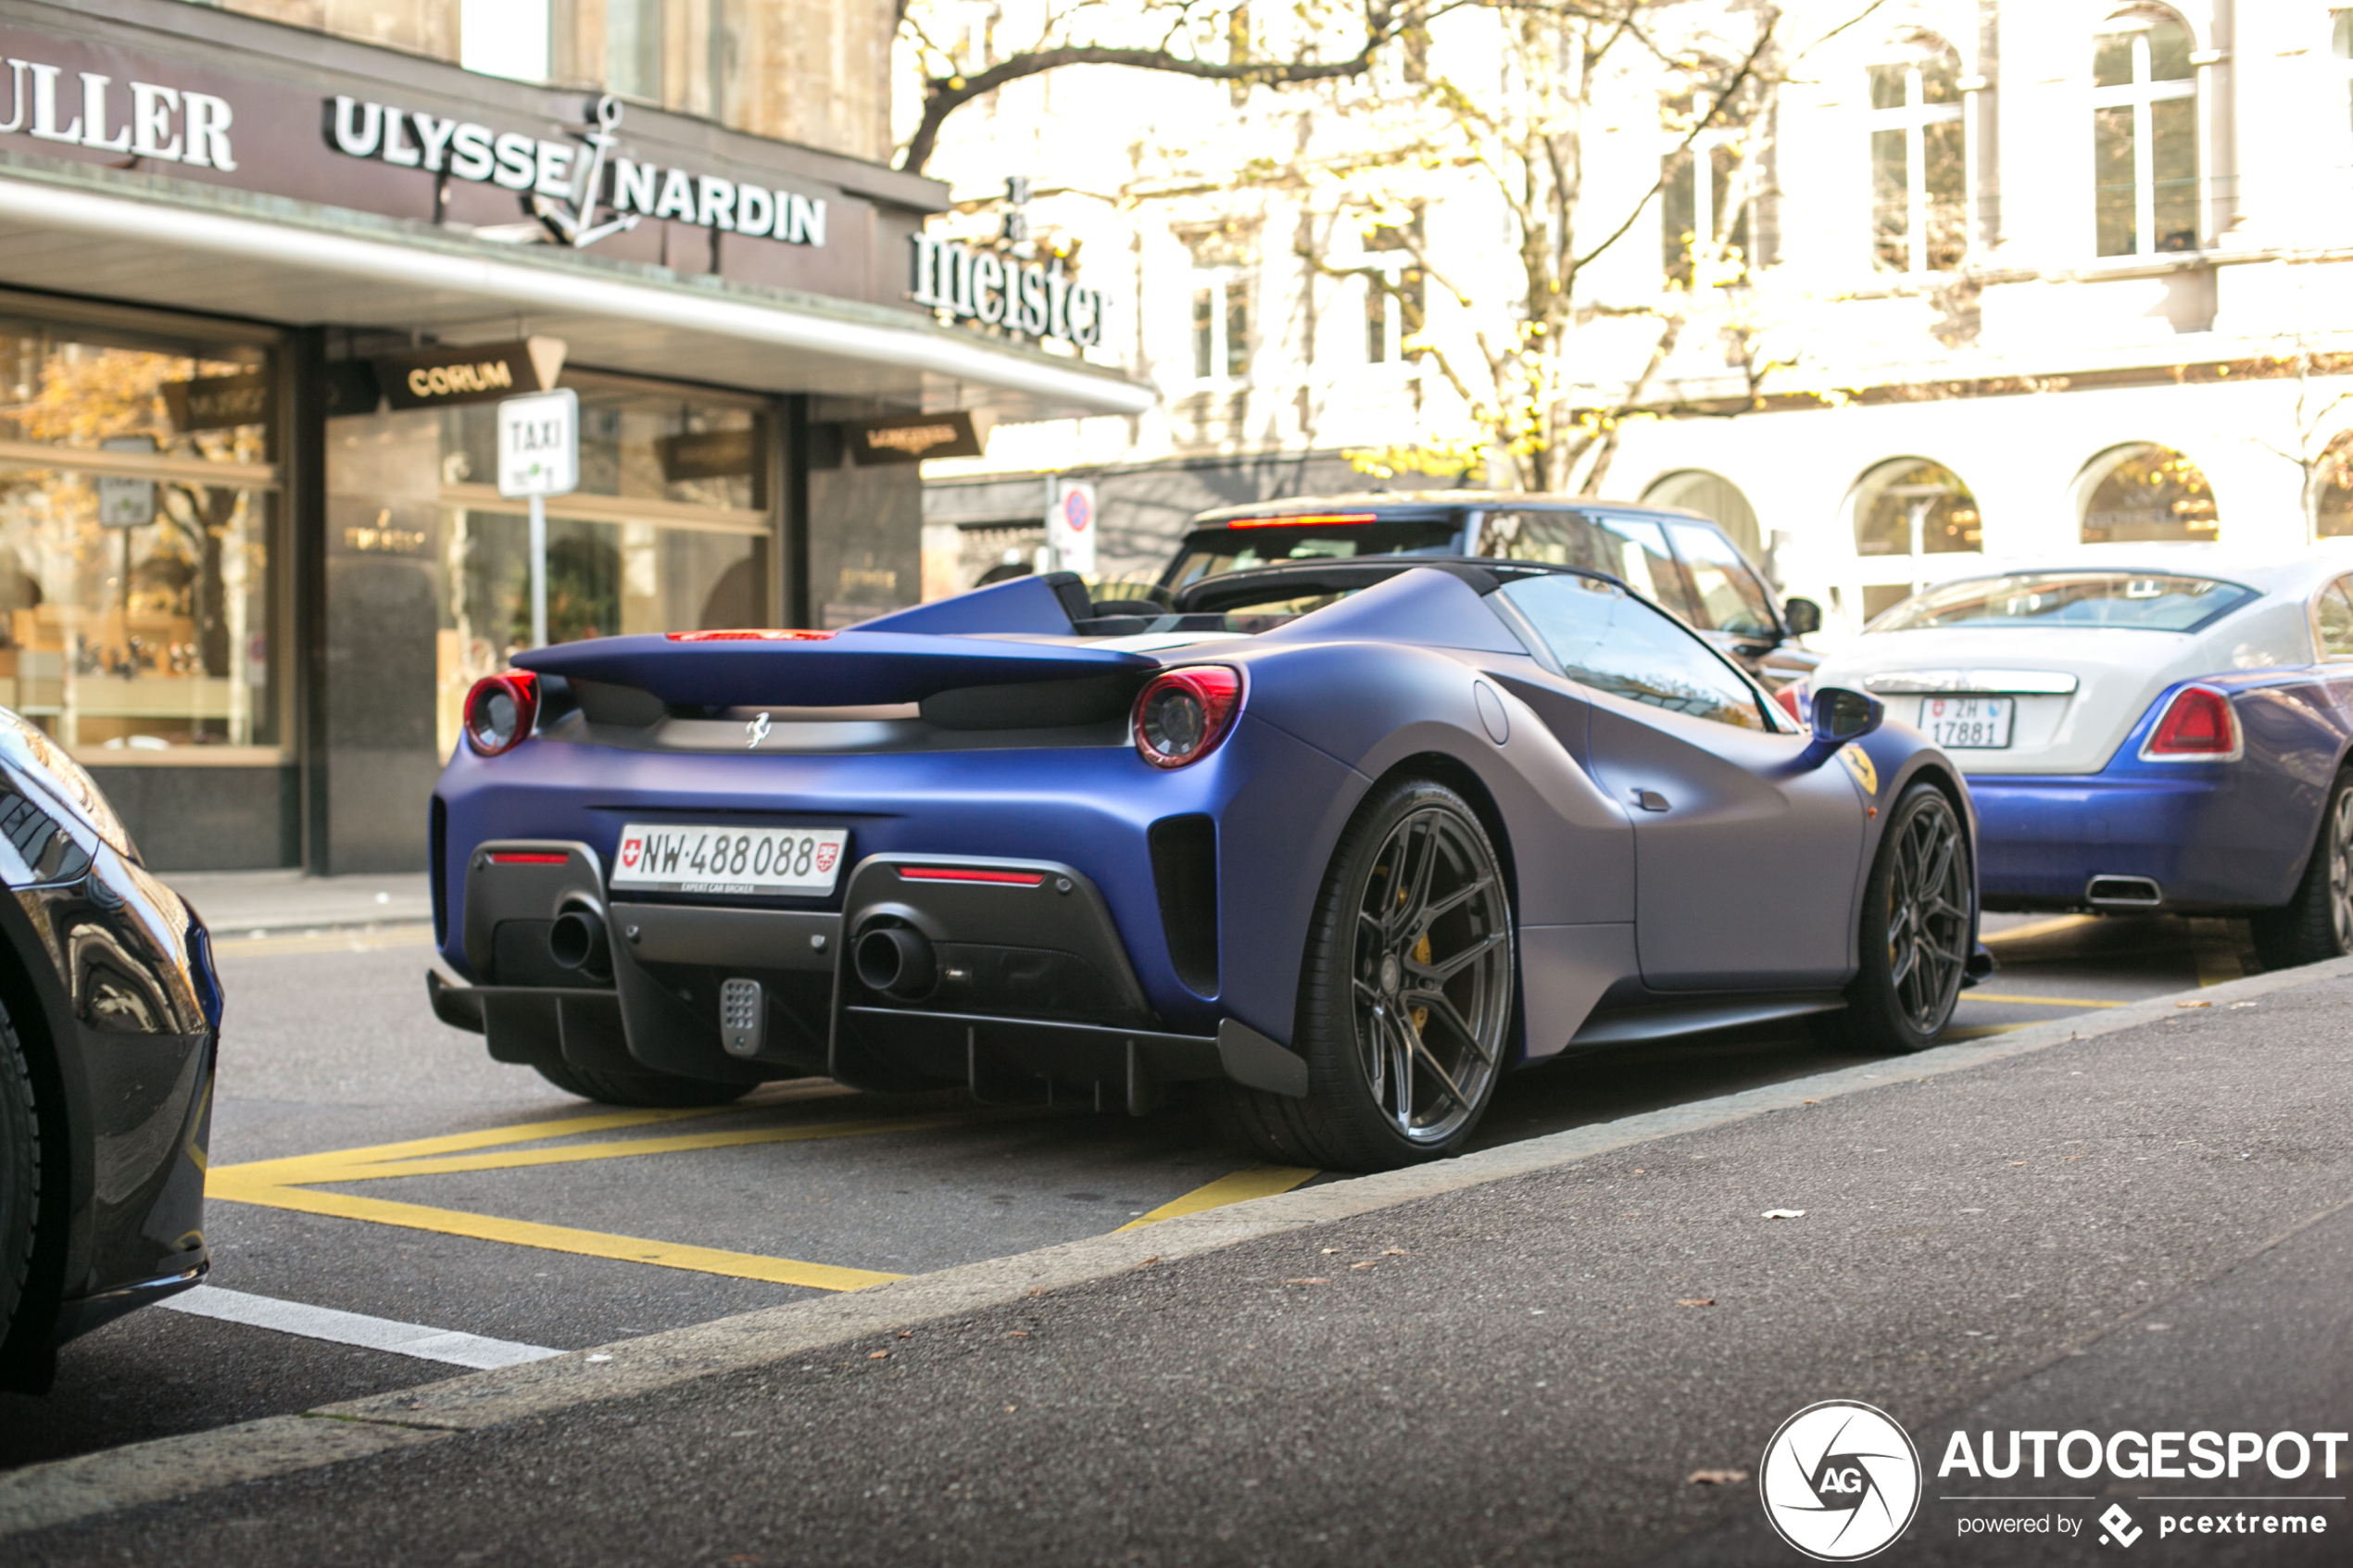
(564, 183)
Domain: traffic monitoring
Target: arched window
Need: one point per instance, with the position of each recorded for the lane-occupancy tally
(1713, 497)
(2143, 136)
(2145, 493)
(1920, 162)
(2332, 496)
(1912, 506)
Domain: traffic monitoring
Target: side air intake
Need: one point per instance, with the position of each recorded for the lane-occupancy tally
(1185, 869)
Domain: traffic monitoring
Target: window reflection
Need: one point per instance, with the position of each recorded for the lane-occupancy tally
(135, 557)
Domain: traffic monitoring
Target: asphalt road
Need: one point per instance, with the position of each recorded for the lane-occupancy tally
(331, 1051)
(2144, 1229)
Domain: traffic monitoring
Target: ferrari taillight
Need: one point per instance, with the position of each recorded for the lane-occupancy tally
(499, 710)
(1182, 715)
(2198, 725)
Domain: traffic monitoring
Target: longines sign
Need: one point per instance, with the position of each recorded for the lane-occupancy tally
(443, 159)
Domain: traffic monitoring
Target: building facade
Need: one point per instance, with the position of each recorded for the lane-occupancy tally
(2006, 275)
(266, 270)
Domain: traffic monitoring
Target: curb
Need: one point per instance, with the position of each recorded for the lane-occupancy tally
(60, 1491)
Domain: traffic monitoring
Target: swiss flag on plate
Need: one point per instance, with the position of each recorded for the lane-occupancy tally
(826, 853)
(629, 851)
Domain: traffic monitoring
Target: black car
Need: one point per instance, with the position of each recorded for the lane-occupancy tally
(109, 1026)
(1680, 560)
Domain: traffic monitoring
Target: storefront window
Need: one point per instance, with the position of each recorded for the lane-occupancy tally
(669, 530)
(137, 522)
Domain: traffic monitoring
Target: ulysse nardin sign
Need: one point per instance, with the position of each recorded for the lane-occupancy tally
(566, 183)
(1000, 292)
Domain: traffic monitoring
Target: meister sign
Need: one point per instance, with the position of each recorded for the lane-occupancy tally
(1000, 290)
(565, 184)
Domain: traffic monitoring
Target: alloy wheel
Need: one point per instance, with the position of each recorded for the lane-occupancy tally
(1431, 975)
(1928, 916)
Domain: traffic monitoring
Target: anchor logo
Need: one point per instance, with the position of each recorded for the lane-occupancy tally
(574, 220)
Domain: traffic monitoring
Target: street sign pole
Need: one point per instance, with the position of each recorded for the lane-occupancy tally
(539, 457)
(538, 570)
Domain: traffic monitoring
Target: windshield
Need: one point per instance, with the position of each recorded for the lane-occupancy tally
(2140, 601)
(1212, 552)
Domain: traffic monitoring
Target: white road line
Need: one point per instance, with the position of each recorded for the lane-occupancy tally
(355, 1328)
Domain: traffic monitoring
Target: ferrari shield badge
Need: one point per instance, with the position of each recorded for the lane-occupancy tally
(1858, 762)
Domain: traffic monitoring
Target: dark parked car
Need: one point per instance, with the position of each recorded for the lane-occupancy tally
(1681, 561)
(109, 1021)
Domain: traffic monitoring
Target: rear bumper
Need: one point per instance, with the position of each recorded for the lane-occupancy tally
(2198, 831)
(1028, 990)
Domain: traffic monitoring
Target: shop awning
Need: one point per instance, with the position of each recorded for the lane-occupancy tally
(226, 254)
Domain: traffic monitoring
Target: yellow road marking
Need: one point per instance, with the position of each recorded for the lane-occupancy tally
(1259, 1181)
(1979, 1030)
(291, 1183)
(2038, 928)
(359, 939)
(2037, 1002)
(488, 1137)
(517, 1159)
(550, 1238)
(2215, 945)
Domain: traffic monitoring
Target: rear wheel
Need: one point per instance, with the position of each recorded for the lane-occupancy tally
(1913, 946)
(1406, 997)
(19, 1175)
(2317, 922)
(664, 1089)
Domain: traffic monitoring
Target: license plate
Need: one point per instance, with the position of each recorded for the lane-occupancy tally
(1968, 723)
(717, 859)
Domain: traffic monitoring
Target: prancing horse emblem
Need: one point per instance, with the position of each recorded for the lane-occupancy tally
(758, 730)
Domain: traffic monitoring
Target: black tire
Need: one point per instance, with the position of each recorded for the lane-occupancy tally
(19, 1175)
(1385, 1089)
(663, 1089)
(2317, 922)
(1914, 936)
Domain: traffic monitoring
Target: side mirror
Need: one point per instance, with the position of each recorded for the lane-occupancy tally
(1803, 616)
(1841, 716)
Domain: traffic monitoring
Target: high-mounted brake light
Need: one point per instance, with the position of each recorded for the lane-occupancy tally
(2198, 725)
(499, 710)
(1182, 714)
(749, 635)
(1303, 519)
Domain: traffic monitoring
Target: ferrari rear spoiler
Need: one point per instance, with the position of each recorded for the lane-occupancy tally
(976, 639)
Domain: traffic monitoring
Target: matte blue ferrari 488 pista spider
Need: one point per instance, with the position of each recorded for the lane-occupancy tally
(1332, 845)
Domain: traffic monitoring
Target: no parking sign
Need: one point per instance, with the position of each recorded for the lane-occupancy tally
(1070, 527)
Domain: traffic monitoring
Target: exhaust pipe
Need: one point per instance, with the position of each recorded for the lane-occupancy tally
(898, 961)
(577, 941)
(2124, 893)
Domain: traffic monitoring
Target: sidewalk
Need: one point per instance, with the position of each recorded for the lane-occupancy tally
(2135, 1223)
(243, 904)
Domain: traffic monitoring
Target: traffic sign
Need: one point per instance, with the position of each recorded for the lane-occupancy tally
(539, 443)
(1070, 527)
